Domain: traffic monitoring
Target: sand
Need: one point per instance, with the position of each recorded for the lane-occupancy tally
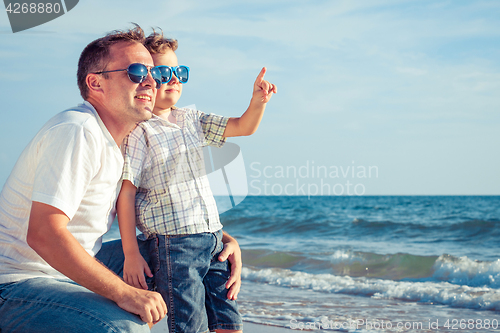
(255, 328)
(161, 327)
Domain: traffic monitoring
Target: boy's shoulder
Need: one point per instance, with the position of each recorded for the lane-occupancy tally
(191, 111)
(156, 123)
(184, 111)
(186, 114)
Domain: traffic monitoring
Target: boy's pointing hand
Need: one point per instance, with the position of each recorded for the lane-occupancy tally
(248, 123)
(263, 90)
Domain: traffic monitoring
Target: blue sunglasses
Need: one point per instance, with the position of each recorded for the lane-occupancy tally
(137, 73)
(181, 72)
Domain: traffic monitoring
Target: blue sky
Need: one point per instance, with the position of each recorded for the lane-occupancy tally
(406, 89)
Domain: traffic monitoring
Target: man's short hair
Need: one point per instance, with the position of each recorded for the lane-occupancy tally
(157, 43)
(95, 56)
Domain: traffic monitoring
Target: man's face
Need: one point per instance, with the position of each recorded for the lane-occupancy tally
(130, 102)
(169, 93)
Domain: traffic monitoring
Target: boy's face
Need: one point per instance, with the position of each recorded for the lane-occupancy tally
(169, 93)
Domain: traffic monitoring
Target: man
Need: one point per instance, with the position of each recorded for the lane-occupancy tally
(59, 201)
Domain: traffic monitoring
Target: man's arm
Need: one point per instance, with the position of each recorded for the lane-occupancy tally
(49, 237)
(248, 123)
(232, 253)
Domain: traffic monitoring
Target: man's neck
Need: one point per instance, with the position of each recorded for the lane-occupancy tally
(116, 126)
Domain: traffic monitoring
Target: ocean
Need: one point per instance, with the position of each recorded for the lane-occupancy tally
(369, 263)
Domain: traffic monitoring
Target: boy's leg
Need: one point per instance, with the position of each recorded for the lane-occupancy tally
(179, 265)
(223, 314)
(50, 305)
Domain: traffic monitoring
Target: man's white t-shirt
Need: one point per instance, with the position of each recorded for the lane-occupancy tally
(72, 164)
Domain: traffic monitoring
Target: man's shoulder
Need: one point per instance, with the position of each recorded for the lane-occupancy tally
(80, 116)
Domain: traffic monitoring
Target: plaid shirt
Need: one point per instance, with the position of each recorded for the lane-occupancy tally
(165, 162)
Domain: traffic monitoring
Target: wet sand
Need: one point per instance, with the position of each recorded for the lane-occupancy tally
(257, 328)
(161, 327)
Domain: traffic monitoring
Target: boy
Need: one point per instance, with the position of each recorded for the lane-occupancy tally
(167, 193)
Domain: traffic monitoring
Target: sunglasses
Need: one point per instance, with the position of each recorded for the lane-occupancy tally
(137, 73)
(181, 72)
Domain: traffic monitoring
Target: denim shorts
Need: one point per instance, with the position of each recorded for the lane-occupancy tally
(192, 281)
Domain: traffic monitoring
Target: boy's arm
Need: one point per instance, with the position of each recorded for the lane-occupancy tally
(134, 266)
(248, 123)
(49, 237)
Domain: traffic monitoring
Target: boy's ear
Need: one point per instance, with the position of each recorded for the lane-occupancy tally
(93, 82)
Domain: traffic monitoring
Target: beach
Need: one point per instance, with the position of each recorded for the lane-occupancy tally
(368, 264)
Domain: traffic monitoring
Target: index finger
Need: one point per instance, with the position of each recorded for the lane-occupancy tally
(142, 282)
(260, 77)
(234, 290)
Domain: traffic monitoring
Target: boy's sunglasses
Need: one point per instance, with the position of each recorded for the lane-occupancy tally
(181, 72)
(137, 73)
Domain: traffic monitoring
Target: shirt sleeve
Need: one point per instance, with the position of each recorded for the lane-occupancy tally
(67, 160)
(213, 128)
(135, 150)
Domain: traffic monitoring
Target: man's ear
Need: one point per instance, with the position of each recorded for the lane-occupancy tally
(93, 82)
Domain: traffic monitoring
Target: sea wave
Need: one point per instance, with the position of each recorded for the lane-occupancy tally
(396, 267)
(317, 224)
(482, 298)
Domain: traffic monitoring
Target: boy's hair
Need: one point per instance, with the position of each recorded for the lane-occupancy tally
(95, 56)
(157, 43)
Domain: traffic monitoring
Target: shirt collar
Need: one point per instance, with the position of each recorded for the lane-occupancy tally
(103, 127)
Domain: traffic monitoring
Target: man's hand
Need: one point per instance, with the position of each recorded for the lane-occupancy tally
(262, 89)
(134, 269)
(148, 305)
(232, 253)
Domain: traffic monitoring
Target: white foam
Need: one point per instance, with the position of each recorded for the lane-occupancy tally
(465, 271)
(345, 257)
(484, 298)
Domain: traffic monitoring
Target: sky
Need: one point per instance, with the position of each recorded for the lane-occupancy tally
(377, 97)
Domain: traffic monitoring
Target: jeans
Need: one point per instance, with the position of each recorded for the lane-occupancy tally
(50, 305)
(192, 282)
